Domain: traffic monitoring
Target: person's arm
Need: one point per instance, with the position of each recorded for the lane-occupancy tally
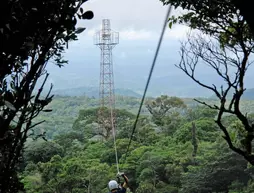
(126, 180)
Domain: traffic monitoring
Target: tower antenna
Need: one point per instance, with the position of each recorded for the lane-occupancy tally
(106, 39)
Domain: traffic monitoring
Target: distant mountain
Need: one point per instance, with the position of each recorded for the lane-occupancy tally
(247, 95)
(79, 76)
(92, 92)
(127, 92)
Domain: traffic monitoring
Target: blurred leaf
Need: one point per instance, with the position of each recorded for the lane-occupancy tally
(80, 30)
(9, 105)
(81, 10)
(170, 24)
(47, 110)
(88, 15)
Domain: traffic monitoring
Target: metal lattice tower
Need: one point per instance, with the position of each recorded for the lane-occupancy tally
(106, 40)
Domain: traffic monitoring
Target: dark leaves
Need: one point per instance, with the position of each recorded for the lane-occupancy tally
(88, 15)
(32, 33)
(210, 16)
(80, 30)
(81, 10)
(47, 110)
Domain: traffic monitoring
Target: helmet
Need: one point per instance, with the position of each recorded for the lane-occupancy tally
(112, 185)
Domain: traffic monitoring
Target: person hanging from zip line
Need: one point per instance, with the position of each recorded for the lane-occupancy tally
(114, 187)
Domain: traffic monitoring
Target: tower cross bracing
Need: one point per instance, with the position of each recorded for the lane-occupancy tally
(106, 39)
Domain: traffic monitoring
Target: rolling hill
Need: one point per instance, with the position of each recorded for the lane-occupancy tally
(92, 92)
(247, 95)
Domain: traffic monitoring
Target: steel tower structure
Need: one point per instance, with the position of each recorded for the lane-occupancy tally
(106, 39)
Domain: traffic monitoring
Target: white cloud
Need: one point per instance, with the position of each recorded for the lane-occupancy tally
(131, 34)
(90, 32)
(133, 19)
(176, 32)
(127, 34)
(140, 14)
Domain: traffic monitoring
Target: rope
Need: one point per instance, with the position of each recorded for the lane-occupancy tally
(149, 77)
(114, 136)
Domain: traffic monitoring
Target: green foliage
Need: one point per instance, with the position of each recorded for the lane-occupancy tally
(218, 172)
(162, 106)
(65, 111)
(199, 112)
(155, 162)
(66, 139)
(42, 151)
(32, 182)
(90, 123)
(207, 130)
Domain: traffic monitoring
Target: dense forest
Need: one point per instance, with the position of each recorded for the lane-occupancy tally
(177, 147)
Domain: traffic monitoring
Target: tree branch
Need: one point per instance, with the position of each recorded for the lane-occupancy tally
(198, 48)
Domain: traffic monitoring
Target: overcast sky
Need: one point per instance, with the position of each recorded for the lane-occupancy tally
(139, 23)
(134, 19)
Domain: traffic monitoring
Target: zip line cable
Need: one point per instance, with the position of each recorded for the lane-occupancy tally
(144, 94)
(149, 77)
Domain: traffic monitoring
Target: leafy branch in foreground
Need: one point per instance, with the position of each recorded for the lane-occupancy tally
(226, 46)
(32, 34)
